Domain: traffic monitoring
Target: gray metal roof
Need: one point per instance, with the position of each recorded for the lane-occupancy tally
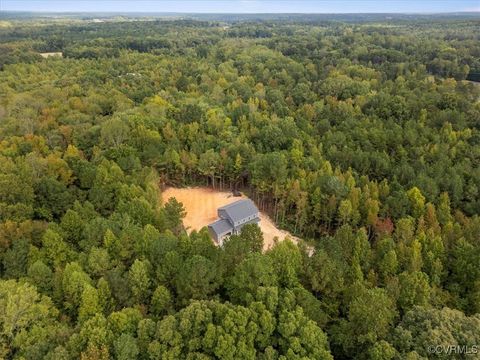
(221, 226)
(240, 209)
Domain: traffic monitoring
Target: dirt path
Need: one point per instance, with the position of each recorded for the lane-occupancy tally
(201, 205)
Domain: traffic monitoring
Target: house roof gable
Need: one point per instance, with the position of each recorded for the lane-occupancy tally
(240, 209)
(221, 226)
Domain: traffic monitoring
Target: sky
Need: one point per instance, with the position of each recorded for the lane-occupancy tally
(244, 6)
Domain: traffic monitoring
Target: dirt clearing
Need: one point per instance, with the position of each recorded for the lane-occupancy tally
(201, 205)
(50, 54)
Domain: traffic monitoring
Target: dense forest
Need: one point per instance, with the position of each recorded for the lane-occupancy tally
(361, 138)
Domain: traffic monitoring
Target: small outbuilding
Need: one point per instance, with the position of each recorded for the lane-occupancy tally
(232, 218)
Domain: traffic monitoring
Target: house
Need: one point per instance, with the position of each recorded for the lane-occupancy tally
(232, 218)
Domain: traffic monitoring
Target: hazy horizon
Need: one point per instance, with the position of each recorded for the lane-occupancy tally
(244, 6)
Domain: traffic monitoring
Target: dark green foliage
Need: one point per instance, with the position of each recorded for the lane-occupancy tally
(227, 331)
(197, 279)
(52, 199)
(421, 328)
(15, 260)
